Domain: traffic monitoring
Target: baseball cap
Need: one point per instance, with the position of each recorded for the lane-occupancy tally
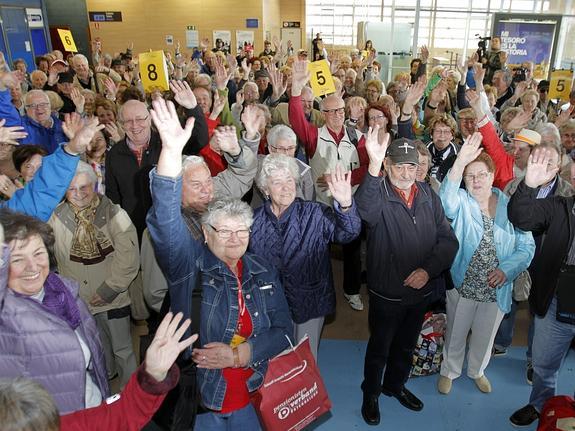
(530, 137)
(59, 61)
(543, 84)
(65, 77)
(262, 73)
(401, 151)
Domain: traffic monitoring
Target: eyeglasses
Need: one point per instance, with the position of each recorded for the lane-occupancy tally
(35, 106)
(337, 111)
(136, 121)
(226, 233)
(480, 176)
(442, 131)
(568, 135)
(286, 150)
(376, 117)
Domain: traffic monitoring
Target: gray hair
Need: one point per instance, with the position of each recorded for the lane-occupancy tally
(273, 163)
(280, 131)
(26, 405)
(86, 169)
(569, 126)
(189, 161)
(549, 133)
(35, 93)
(506, 75)
(228, 208)
(80, 57)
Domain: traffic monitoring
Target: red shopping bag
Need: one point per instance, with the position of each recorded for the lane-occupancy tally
(293, 394)
(558, 414)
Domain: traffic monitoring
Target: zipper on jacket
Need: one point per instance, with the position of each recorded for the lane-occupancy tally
(414, 221)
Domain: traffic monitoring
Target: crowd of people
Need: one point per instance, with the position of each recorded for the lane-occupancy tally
(220, 200)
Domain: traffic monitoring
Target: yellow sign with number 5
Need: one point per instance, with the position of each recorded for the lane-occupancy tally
(321, 80)
(67, 40)
(153, 71)
(560, 84)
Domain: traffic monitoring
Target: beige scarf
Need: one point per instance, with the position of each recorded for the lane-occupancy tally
(89, 244)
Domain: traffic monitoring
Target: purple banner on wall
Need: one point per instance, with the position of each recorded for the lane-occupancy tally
(526, 41)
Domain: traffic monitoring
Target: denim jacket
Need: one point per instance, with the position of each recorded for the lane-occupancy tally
(515, 248)
(189, 264)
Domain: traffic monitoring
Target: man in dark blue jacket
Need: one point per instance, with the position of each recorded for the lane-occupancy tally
(409, 245)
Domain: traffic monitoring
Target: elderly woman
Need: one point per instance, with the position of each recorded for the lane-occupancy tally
(27, 160)
(95, 156)
(491, 255)
(237, 297)
(529, 102)
(46, 330)
(302, 254)
(96, 244)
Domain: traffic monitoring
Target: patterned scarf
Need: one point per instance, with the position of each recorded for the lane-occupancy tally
(89, 244)
(59, 301)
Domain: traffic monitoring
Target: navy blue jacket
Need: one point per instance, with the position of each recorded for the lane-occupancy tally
(298, 246)
(188, 265)
(401, 240)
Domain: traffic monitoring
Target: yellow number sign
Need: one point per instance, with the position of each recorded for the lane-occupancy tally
(321, 80)
(67, 40)
(153, 71)
(560, 84)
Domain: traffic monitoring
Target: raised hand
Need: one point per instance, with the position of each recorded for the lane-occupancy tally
(83, 136)
(72, 124)
(475, 102)
(114, 132)
(10, 135)
(521, 88)
(165, 118)
(538, 172)
(247, 68)
(183, 94)
(227, 140)
(217, 106)
(221, 76)
(415, 93)
(470, 149)
(204, 43)
(166, 346)
(110, 87)
(250, 120)
(519, 121)
(232, 62)
(479, 76)
(564, 116)
(279, 84)
(240, 97)
(376, 149)
(438, 93)
(424, 54)
(300, 76)
(78, 99)
(339, 183)
(503, 56)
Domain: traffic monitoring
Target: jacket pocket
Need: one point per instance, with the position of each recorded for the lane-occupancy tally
(212, 288)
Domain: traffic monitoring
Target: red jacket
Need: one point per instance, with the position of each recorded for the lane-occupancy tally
(130, 410)
(494, 148)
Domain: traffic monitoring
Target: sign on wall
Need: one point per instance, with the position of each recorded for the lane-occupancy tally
(105, 16)
(244, 39)
(34, 17)
(225, 36)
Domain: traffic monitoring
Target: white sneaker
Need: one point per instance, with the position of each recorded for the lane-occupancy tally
(354, 301)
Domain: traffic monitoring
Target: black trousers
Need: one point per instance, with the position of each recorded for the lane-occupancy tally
(352, 266)
(394, 329)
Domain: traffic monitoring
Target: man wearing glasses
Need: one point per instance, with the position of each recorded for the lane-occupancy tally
(129, 161)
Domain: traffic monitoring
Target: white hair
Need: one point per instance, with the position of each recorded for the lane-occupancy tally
(189, 161)
(86, 169)
(273, 163)
(31, 93)
(280, 131)
(549, 134)
(228, 208)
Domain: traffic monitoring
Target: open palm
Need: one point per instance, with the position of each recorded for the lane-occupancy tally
(165, 118)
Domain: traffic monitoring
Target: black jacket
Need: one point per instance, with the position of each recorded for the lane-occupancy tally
(554, 219)
(400, 240)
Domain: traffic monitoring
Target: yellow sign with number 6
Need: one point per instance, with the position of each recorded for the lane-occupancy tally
(153, 71)
(321, 80)
(67, 40)
(560, 84)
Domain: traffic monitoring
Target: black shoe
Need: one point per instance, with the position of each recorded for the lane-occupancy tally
(525, 416)
(406, 398)
(529, 373)
(370, 410)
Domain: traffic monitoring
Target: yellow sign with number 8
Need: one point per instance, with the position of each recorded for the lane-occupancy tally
(321, 80)
(560, 84)
(67, 40)
(153, 71)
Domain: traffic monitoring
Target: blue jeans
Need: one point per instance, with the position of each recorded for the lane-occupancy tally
(550, 345)
(242, 419)
(504, 335)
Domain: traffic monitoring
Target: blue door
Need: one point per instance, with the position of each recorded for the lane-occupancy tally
(17, 35)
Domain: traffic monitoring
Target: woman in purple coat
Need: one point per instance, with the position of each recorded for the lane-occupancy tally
(46, 331)
(295, 236)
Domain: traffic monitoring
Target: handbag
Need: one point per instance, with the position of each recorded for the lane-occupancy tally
(522, 286)
(293, 394)
(428, 352)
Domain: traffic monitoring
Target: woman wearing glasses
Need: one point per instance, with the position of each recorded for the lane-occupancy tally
(294, 235)
(492, 253)
(237, 297)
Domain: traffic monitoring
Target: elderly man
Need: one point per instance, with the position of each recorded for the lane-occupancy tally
(85, 78)
(280, 114)
(43, 128)
(129, 161)
(502, 80)
(326, 147)
(409, 246)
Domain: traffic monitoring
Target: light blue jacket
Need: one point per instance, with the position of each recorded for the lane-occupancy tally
(514, 247)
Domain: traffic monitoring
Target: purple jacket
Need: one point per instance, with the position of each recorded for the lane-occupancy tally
(43, 347)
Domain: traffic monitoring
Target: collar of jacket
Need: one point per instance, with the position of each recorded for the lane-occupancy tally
(422, 194)
(251, 267)
(51, 129)
(155, 144)
(500, 218)
(285, 214)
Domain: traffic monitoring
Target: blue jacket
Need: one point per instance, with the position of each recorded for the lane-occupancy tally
(49, 139)
(298, 246)
(189, 264)
(401, 240)
(514, 247)
(40, 196)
